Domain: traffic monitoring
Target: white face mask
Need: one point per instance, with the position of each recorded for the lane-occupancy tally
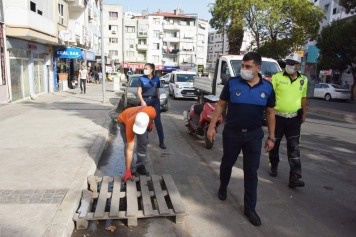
(290, 69)
(146, 72)
(246, 74)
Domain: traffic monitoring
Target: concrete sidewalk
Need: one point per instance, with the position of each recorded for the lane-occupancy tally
(348, 116)
(48, 148)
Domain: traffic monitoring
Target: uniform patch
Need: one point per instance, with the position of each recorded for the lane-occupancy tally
(238, 92)
(263, 94)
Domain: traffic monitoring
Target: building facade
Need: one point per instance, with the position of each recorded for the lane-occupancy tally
(218, 43)
(168, 40)
(40, 38)
(113, 31)
(333, 12)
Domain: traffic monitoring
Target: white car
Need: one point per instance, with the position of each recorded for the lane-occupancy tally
(331, 91)
(165, 79)
(181, 84)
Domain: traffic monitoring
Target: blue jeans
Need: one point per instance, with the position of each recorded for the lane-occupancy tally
(251, 144)
(155, 103)
(100, 80)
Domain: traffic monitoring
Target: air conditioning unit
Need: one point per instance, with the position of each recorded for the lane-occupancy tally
(202, 42)
(113, 32)
(131, 45)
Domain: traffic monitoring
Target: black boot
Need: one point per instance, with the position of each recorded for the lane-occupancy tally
(295, 181)
(273, 171)
(253, 217)
(141, 170)
(222, 193)
(161, 145)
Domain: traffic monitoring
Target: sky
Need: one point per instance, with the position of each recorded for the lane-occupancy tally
(188, 6)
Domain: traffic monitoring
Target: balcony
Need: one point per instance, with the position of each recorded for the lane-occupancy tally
(28, 19)
(171, 39)
(172, 52)
(172, 27)
(142, 34)
(77, 5)
(143, 47)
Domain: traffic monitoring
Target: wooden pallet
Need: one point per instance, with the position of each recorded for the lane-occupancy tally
(145, 197)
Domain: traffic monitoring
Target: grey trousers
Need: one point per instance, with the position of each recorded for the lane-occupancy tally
(141, 147)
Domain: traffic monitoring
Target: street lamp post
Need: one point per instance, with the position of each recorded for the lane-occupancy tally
(102, 49)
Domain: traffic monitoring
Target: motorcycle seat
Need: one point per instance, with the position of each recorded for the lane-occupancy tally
(198, 109)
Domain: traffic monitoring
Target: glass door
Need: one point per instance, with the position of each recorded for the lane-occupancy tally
(36, 80)
(16, 82)
(41, 76)
(26, 79)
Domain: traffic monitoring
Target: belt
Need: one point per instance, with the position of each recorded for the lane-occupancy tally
(241, 129)
(150, 97)
(286, 115)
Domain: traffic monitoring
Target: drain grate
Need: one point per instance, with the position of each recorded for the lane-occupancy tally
(143, 198)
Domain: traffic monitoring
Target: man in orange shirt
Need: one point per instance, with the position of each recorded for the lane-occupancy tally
(136, 120)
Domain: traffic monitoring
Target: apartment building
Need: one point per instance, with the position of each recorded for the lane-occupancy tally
(218, 43)
(333, 12)
(169, 40)
(113, 31)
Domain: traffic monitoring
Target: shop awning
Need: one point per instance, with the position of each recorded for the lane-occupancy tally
(73, 53)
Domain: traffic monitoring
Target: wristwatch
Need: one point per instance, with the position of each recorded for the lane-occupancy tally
(272, 139)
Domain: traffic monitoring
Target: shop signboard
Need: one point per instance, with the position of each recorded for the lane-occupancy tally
(139, 66)
(74, 53)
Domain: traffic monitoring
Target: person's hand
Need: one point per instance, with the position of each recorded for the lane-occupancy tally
(128, 175)
(143, 103)
(150, 127)
(303, 118)
(211, 133)
(269, 145)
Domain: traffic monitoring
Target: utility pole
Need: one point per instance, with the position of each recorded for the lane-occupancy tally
(102, 49)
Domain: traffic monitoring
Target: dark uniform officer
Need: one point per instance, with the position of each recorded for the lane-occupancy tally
(148, 92)
(247, 96)
(291, 91)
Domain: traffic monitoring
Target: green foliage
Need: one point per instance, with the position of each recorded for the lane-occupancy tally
(349, 5)
(279, 50)
(63, 66)
(226, 17)
(336, 43)
(292, 22)
(269, 21)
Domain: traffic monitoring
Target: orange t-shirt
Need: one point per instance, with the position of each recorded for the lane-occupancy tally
(128, 118)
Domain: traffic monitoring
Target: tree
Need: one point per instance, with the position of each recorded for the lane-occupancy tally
(286, 21)
(336, 43)
(349, 5)
(279, 50)
(226, 18)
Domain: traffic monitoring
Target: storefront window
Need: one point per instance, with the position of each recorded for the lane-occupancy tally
(12, 53)
(23, 54)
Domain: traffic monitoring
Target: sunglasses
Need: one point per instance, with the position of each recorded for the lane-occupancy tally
(291, 64)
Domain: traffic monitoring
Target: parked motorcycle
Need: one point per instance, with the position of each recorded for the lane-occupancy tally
(198, 118)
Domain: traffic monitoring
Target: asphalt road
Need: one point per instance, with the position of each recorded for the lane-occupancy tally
(342, 106)
(326, 206)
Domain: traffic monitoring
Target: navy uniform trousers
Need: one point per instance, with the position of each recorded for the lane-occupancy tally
(251, 144)
(155, 103)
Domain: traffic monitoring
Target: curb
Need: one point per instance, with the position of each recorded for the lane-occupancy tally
(347, 117)
(62, 224)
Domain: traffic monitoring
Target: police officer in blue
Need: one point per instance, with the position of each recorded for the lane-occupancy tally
(247, 97)
(148, 92)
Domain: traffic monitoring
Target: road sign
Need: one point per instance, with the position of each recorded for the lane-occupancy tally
(129, 73)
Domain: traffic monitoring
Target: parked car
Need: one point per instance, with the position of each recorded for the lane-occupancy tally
(331, 91)
(165, 78)
(130, 94)
(181, 84)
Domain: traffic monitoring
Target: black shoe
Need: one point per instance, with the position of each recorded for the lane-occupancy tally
(161, 145)
(141, 170)
(273, 172)
(295, 182)
(253, 217)
(222, 193)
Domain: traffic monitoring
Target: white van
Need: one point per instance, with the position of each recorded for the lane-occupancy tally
(181, 84)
